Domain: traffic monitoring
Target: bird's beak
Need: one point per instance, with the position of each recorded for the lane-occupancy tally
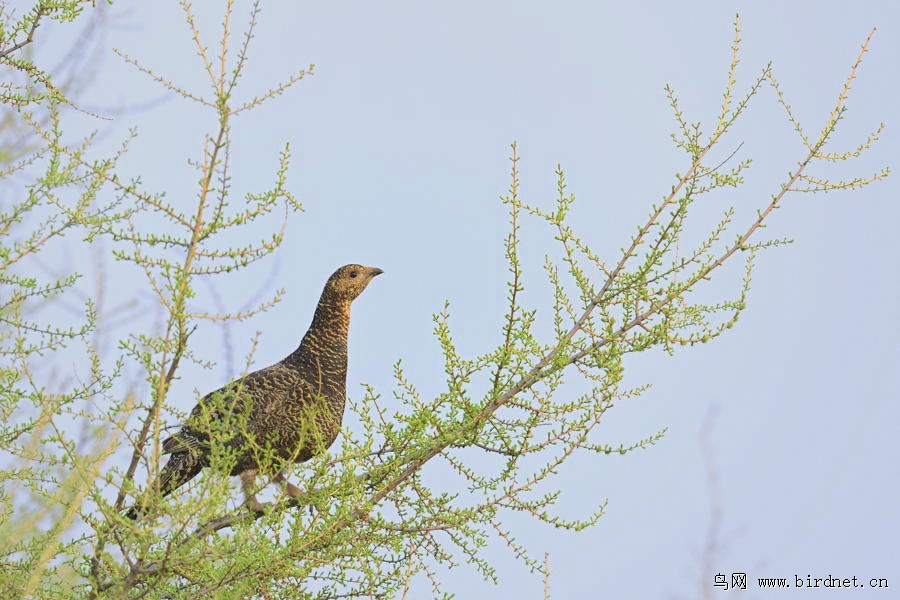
(373, 271)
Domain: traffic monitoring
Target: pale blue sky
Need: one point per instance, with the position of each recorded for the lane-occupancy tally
(400, 150)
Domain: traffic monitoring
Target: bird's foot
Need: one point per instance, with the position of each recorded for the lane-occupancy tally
(255, 505)
(292, 490)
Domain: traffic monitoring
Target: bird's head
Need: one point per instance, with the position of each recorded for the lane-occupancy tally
(349, 281)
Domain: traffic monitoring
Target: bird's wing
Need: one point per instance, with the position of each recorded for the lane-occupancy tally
(234, 399)
(186, 440)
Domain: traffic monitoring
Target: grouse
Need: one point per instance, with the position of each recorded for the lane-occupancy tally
(288, 412)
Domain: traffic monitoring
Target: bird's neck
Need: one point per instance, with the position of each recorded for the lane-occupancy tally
(323, 351)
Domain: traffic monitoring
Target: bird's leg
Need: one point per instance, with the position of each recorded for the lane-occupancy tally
(292, 490)
(248, 484)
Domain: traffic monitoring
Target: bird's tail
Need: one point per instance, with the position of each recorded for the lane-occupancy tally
(181, 468)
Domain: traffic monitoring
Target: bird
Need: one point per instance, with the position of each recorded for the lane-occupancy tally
(286, 413)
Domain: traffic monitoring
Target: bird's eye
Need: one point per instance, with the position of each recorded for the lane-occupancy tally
(354, 273)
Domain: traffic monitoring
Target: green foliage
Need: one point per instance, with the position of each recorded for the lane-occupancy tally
(380, 509)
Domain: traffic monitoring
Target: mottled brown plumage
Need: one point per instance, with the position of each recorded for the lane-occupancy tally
(285, 413)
